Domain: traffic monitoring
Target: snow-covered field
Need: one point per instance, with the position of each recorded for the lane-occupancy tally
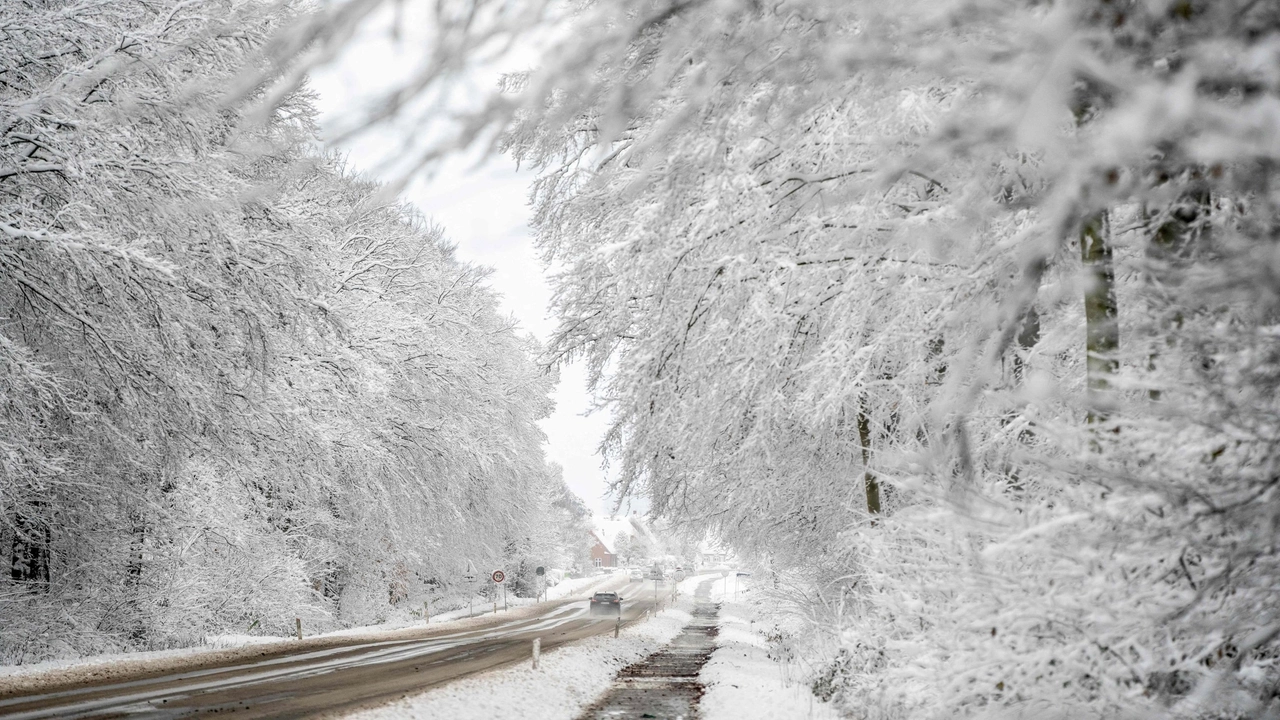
(742, 682)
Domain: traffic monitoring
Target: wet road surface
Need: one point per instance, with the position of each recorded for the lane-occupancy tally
(319, 681)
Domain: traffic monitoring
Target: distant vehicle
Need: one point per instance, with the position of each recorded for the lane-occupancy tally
(637, 574)
(606, 603)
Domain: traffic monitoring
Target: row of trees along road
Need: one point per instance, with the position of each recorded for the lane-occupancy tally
(958, 317)
(235, 386)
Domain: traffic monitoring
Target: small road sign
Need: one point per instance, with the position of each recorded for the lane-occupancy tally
(498, 576)
(540, 571)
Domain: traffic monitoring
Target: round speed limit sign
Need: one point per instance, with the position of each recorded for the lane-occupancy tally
(499, 576)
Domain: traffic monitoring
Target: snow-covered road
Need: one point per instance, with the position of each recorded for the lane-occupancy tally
(316, 680)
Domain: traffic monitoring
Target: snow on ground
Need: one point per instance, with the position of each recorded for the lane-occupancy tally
(569, 678)
(742, 682)
(224, 648)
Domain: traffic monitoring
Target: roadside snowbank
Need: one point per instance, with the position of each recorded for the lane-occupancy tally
(569, 678)
(742, 682)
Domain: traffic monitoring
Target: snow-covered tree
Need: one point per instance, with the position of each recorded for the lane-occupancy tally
(239, 387)
(966, 304)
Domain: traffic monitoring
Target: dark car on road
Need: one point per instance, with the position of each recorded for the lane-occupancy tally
(606, 603)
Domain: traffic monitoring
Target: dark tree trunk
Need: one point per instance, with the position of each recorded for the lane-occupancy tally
(1028, 336)
(30, 551)
(1102, 327)
(869, 478)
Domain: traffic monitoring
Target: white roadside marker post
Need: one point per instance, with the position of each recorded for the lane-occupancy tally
(618, 625)
(426, 612)
(298, 622)
(537, 650)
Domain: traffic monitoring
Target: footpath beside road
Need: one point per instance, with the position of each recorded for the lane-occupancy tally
(665, 684)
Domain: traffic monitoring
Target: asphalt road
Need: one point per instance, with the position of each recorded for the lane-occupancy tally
(313, 682)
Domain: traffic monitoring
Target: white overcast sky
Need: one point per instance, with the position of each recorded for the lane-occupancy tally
(485, 212)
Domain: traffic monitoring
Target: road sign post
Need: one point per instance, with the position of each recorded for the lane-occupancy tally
(498, 577)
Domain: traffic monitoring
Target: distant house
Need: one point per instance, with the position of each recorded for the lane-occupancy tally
(602, 552)
(621, 540)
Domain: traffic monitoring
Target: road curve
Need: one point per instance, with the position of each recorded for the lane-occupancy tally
(313, 682)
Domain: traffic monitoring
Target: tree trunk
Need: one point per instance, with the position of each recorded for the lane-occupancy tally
(1102, 327)
(29, 552)
(869, 478)
(1028, 336)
